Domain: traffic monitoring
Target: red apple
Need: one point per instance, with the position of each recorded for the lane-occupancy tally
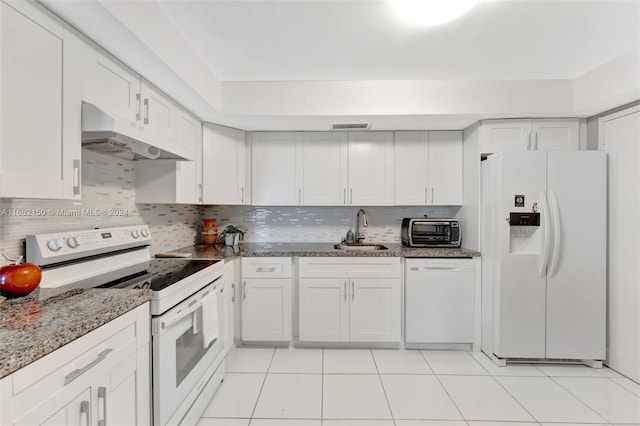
(19, 280)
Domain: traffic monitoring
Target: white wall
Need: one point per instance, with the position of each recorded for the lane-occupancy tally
(613, 84)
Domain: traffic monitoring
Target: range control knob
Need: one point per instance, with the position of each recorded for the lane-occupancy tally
(144, 232)
(54, 245)
(135, 233)
(72, 242)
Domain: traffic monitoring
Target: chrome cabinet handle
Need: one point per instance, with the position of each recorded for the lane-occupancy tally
(299, 195)
(102, 394)
(432, 195)
(138, 97)
(242, 197)
(200, 190)
(266, 269)
(244, 290)
(345, 291)
(233, 296)
(80, 371)
(84, 412)
(344, 196)
(535, 141)
(353, 292)
(76, 177)
(146, 110)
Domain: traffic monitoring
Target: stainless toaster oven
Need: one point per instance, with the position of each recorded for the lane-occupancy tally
(426, 232)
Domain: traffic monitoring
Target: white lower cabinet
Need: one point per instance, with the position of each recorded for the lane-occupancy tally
(349, 299)
(266, 299)
(102, 378)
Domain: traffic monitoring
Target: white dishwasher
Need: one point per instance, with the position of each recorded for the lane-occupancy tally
(439, 305)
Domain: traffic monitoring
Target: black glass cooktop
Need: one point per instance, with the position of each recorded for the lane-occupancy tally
(166, 272)
(161, 273)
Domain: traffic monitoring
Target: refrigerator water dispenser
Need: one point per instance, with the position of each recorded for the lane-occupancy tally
(523, 236)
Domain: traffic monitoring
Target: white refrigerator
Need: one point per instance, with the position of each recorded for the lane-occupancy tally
(544, 286)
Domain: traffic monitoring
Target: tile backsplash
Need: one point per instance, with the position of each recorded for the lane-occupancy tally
(318, 224)
(109, 183)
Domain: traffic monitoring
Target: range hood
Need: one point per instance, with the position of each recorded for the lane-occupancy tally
(108, 135)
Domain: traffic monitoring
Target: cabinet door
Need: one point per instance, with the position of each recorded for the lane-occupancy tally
(188, 134)
(159, 117)
(324, 310)
(76, 411)
(324, 168)
(445, 168)
(370, 168)
(276, 169)
(411, 168)
(229, 301)
(375, 310)
(505, 135)
(113, 87)
(266, 309)
(115, 396)
(31, 144)
(555, 134)
(223, 166)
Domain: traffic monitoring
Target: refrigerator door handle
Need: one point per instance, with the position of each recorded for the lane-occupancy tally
(557, 232)
(544, 258)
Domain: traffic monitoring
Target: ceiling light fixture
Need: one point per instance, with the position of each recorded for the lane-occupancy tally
(432, 12)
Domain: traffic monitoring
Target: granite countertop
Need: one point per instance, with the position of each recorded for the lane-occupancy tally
(47, 319)
(202, 251)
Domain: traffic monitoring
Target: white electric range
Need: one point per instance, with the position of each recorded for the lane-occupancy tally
(187, 307)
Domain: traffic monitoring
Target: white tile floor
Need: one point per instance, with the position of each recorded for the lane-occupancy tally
(339, 387)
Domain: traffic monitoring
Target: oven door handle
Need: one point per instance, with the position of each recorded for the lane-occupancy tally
(169, 322)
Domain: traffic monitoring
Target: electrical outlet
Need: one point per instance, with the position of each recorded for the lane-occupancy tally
(249, 216)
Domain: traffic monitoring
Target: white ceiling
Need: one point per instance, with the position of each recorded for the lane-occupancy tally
(243, 63)
(274, 40)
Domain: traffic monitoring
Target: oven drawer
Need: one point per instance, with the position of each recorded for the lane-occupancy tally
(266, 267)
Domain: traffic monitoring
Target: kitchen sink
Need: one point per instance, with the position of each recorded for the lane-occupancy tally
(361, 247)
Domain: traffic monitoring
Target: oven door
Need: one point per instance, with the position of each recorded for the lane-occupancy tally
(180, 358)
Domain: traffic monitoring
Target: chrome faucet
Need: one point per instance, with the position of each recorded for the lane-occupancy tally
(359, 238)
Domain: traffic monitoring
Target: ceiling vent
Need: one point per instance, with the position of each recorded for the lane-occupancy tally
(356, 126)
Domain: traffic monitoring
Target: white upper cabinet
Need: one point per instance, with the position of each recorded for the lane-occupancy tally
(551, 134)
(276, 168)
(428, 168)
(36, 159)
(325, 168)
(171, 181)
(411, 171)
(371, 169)
(545, 134)
(113, 87)
(124, 95)
(159, 115)
(223, 167)
(445, 168)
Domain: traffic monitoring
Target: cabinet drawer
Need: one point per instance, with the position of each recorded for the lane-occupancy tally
(266, 267)
(351, 267)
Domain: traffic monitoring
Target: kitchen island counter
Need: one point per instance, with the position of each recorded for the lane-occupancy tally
(202, 251)
(47, 319)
